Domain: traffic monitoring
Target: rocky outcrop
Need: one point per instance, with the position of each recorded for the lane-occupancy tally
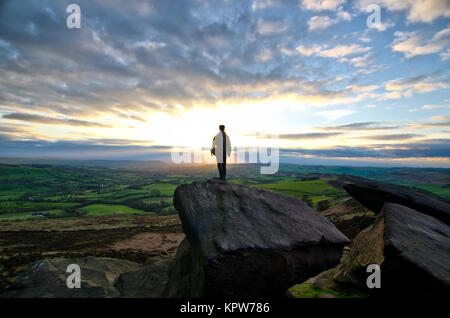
(148, 281)
(100, 278)
(48, 278)
(248, 242)
(185, 274)
(350, 217)
(366, 248)
(373, 194)
(411, 248)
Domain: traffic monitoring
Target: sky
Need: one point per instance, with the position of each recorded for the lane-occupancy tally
(321, 80)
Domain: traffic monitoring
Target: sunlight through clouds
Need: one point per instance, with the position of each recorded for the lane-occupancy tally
(165, 74)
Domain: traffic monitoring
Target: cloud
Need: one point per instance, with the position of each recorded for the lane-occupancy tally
(392, 137)
(116, 142)
(127, 54)
(382, 26)
(413, 44)
(445, 55)
(134, 62)
(302, 136)
(12, 128)
(362, 88)
(430, 107)
(82, 150)
(427, 11)
(321, 5)
(324, 21)
(343, 51)
(433, 122)
(128, 116)
(263, 4)
(362, 61)
(432, 148)
(269, 28)
(309, 50)
(406, 87)
(360, 126)
(126, 60)
(264, 55)
(52, 121)
(343, 15)
(297, 136)
(18, 132)
(440, 118)
(428, 149)
(422, 87)
(320, 22)
(417, 10)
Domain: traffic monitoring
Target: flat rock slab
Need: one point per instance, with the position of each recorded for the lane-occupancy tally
(418, 239)
(373, 194)
(252, 242)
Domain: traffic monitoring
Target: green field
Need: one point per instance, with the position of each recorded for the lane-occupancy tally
(439, 189)
(105, 209)
(132, 187)
(316, 190)
(435, 181)
(165, 189)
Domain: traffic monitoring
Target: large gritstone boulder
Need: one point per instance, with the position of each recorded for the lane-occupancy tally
(244, 241)
(373, 194)
(411, 248)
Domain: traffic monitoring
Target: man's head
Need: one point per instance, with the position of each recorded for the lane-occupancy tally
(222, 127)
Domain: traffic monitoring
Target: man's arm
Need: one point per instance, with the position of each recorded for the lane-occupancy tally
(213, 146)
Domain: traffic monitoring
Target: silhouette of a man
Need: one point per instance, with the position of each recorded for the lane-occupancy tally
(221, 148)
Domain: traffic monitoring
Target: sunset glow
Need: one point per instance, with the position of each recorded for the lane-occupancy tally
(140, 78)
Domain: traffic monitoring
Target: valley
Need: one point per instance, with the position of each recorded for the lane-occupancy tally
(78, 209)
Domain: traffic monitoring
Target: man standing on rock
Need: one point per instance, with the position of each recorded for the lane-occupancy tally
(221, 148)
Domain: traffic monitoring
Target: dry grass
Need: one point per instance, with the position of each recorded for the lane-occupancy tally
(90, 223)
